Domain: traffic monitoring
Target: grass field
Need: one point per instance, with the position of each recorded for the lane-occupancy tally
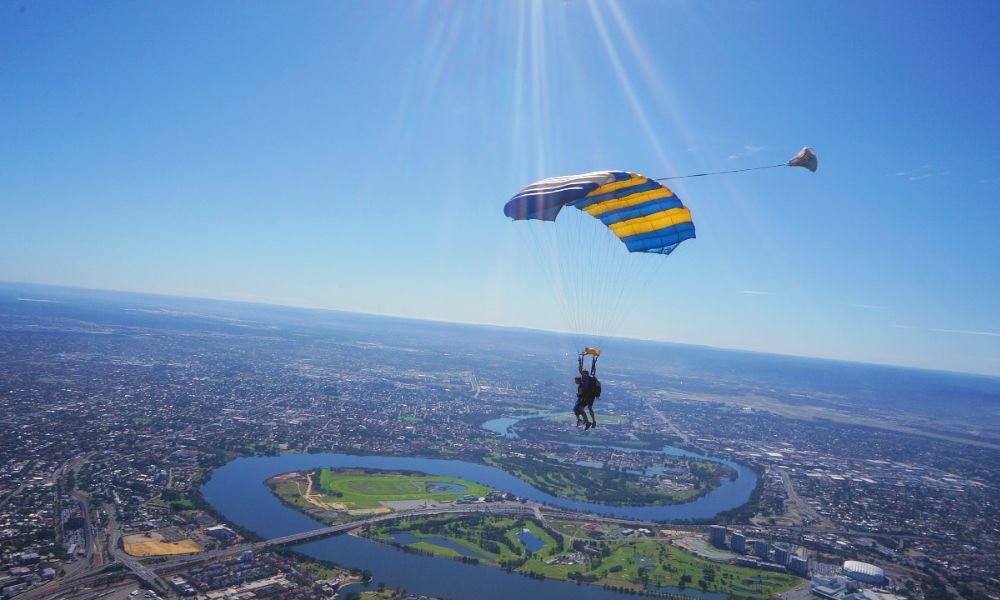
(368, 489)
(332, 495)
(632, 564)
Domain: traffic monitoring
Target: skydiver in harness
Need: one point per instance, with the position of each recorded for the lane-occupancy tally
(588, 388)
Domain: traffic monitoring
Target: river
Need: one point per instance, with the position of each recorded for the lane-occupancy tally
(236, 490)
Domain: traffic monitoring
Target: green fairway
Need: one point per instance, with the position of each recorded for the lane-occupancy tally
(602, 486)
(628, 564)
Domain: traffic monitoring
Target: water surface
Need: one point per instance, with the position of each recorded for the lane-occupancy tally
(236, 490)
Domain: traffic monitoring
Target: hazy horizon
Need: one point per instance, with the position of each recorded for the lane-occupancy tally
(565, 334)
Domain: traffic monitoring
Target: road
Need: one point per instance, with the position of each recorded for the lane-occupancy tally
(801, 505)
(685, 438)
(12, 495)
(63, 586)
(144, 573)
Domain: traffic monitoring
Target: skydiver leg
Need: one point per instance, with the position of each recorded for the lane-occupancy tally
(593, 419)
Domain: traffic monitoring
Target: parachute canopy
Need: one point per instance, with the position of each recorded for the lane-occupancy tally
(805, 158)
(643, 213)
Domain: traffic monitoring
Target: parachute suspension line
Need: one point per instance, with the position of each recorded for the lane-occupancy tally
(721, 172)
(608, 274)
(649, 274)
(622, 269)
(593, 266)
(567, 259)
(538, 251)
(604, 278)
(558, 251)
(614, 314)
(573, 266)
(611, 274)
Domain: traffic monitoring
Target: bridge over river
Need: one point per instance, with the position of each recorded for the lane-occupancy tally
(497, 508)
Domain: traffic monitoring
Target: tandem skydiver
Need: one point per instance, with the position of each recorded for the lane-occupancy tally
(588, 389)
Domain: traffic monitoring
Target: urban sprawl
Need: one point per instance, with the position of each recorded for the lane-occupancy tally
(109, 429)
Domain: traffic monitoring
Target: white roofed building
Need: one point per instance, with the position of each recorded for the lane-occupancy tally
(864, 572)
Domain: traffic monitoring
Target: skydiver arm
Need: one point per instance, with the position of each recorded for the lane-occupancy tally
(593, 367)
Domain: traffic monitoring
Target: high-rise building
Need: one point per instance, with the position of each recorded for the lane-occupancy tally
(717, 536)
(760, 548)
(738, 542)
(781, 554)
(799, 566)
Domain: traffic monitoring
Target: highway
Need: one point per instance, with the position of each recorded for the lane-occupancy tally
(144, 573)
(801, 505)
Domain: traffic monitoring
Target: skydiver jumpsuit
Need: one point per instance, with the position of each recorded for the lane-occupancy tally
(586, 393)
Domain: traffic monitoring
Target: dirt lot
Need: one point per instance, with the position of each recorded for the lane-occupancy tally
(153, 544)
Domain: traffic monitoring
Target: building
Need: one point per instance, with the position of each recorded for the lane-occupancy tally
(781, 554)
(717, 536)
(221, 532)
(832, 587)
(799, 566)
(738, 542)
(864, 572)
(872, 595)
(760, 548)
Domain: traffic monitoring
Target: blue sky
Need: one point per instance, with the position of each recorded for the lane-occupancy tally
(357, 156)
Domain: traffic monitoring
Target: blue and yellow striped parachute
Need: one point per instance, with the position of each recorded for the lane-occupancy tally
(644, 214)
